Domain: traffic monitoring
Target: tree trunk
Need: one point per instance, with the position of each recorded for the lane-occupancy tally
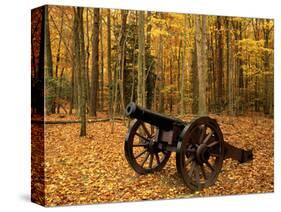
(58, 62)
(109, 71)
(194, 81)
(88, 90)
(200, 30)
(141, 55)
(79, 64)
(171, 82)
(48, 49)
(229, 69)
(162, 76)
(149, 61)
(95, 63)
(74, 97)
(268, 100)
(102, 70)
(219, 87)
(49, 64)
(82, 71)
(183, 68)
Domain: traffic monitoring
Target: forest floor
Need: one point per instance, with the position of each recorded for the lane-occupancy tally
(93, 169)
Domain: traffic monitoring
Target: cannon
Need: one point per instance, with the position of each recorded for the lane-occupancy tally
(199, 146)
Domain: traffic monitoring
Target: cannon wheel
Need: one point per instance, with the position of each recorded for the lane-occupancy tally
(200, 153)
(142, 150)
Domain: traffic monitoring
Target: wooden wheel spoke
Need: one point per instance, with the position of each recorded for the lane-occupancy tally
(213, 144)
(151, 160)
(146, 130)
(197, 177)
(189, 160)
(190, 173)
(157, 158)
(210, 166)
(146, 139)
(139, 145)
(145, 159)
(203, 171)
(140, 154)
(202, 133)
(207, 138)
(152, 130)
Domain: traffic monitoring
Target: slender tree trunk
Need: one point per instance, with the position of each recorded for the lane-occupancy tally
(102, 70)
(133, 71)
(88, 90)
(49, 63)
(95, 63)
(213, 79)
(194, 81)
(149, 61)
(109, 71)
(219, 87)
(268, 82)
(82, 72)
(122, 50)
(171, 82)
(141, 65)
(200, 30)
(183, 67)
(73, 68)
(120, 68)
(241, 75)
(60, 89)
(179, 69)
(229, 69)
(58, 63)
(48, 49)
(162, 76)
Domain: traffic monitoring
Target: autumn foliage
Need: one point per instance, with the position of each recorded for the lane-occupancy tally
(93, 169)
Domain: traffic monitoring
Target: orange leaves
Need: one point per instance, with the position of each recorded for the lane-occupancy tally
(93, 169)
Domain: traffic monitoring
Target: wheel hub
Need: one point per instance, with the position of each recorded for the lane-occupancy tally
(152, 146)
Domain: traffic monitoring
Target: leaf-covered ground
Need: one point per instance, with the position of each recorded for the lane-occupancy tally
(94, 169)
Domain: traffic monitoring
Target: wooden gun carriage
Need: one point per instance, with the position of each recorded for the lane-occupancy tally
(199, 146)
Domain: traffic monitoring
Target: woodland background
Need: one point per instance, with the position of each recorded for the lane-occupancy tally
(97, 60)
(88, 63)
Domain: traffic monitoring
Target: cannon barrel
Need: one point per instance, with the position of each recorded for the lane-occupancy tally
(163, 122)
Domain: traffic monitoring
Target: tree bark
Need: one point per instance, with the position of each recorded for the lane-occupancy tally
(141, 65)
(102, 70)
(82, 73)
(109, 71)
(194, 80)
(48, 48)
(229, 69)
(79, 64)
(219, 79)
(53, 110)
(200, 30)
(183, 67)
(95, 63)
(49, 65)
(268, 82)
